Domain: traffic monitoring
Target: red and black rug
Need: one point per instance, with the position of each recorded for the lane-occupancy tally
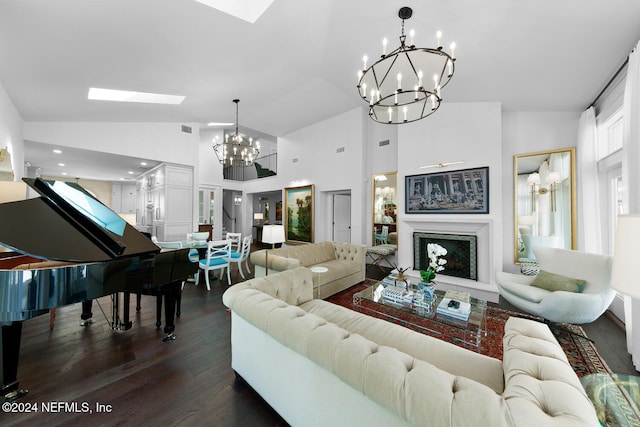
(581, 352)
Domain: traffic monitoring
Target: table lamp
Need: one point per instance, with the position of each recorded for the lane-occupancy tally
(258, 217)
(271, 234)
(624, 272)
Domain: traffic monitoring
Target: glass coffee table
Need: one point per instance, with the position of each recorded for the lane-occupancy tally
(425, 318)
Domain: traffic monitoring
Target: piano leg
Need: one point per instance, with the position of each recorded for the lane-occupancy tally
(9, 354)
(171, 295)
(126, 321)
(118, 324)
(158, 310)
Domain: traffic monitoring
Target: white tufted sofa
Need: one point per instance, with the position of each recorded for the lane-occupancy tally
(345, 263)
(319, 364)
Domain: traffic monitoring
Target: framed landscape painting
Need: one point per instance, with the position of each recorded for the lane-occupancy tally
(461, 192)
(298, 214)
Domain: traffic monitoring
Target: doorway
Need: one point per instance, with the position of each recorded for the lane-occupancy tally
(342, 218)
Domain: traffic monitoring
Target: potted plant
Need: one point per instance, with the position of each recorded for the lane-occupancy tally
(435, 252)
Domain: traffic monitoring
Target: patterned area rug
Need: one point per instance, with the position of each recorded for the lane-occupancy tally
(581, 352)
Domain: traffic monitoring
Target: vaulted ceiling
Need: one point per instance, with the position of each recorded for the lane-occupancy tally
(297, 63)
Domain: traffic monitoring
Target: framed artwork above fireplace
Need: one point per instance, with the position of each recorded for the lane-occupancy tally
(462, 192)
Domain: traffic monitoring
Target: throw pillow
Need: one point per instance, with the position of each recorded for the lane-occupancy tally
(556, 282)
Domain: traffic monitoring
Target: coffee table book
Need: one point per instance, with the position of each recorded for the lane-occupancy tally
(461, 313)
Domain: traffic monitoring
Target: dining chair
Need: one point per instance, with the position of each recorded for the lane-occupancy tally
(236, 241)
(243, 255)
(218, 256)
(382, 237)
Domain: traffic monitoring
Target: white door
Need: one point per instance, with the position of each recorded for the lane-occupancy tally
(342, 218)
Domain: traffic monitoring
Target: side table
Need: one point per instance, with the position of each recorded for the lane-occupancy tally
(316, 273)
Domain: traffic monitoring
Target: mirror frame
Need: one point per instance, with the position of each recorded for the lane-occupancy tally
(572, 177)
(373, 203)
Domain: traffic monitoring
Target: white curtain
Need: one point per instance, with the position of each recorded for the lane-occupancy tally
(560, 219)
(631, 178)
(544, 205)
(589, 233)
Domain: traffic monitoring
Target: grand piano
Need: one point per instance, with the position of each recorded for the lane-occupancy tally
(66, 247)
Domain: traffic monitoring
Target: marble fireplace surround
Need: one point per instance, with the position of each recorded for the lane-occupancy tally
(485, 286)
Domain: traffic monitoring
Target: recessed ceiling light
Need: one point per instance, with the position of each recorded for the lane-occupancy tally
(130, 173)
(143, 163)
(60, 164)
(64, 173)
(99, 94)
(248, 10)
(219, 124)
(57, 151)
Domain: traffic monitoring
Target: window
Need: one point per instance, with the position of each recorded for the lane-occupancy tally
(609, 144)
(610, 135)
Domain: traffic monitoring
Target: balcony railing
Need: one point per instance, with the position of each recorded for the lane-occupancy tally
(263, 167)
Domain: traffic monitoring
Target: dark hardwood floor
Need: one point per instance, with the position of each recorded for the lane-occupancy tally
(144, 381)
(141, 381)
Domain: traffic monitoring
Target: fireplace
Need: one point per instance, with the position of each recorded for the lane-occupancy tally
(461, 253)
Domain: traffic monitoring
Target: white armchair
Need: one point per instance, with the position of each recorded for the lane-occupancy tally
(562, 306)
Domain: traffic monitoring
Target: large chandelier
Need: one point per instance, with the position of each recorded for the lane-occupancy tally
(405, 85)
(235, 150)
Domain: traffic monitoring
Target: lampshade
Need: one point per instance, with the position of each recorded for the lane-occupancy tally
(272, 234)
(526, 219)
(258, 216)
(624, 273)
(553, 177)
(534, 178)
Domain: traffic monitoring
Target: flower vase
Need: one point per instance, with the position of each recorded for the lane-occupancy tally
(427, 289)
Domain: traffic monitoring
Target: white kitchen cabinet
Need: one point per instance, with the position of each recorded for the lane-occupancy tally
(165, 202)
(123, 197)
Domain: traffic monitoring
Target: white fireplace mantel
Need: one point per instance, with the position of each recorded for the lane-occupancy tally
(483, 228)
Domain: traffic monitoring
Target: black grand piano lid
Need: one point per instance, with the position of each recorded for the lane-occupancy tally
(68, 224)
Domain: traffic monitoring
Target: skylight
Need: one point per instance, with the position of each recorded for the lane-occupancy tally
(247, 10)
(99, 94)
(219, 124)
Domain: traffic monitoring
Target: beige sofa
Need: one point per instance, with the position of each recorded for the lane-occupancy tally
(317, 363)
(345, 263)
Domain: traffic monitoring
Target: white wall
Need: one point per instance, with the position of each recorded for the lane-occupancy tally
(318, 163)
(471, 132)
(479, 133)
(11, 133)
(381, 159)
(163, 142)
(210, 169)
(528, 132)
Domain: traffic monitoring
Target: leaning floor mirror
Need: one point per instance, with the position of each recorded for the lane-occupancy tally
(385, 206)
(544, 202)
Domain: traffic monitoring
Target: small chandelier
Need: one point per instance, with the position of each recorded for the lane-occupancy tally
(405, 85)
(235, 150)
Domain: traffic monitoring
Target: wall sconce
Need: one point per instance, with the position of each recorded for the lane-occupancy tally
(553, 178)
(237, 200)
(533, 181)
